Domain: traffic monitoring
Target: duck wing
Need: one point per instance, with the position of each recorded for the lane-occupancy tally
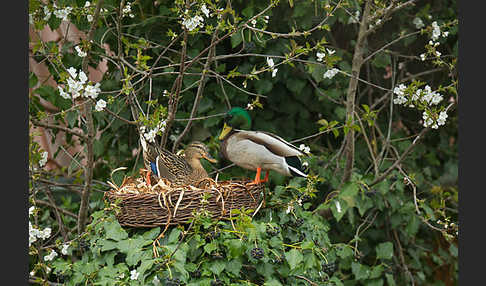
(172, 166)
(275, 144)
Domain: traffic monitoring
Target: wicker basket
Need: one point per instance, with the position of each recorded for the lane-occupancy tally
(164, 205)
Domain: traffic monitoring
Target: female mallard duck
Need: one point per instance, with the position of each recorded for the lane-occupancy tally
(258, 150)
(179, 170)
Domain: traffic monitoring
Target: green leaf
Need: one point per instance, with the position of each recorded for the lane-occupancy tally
(338, 208)
(360, 271)
(293, 257)
(234, 266)
(236, 39)
(32, 80)
(272, 282)
(384, 250)
(98, 148)
(374, 282)
(263, 86)
(217, 267)
(151, 234)
(115, 231)
(174, 236)
(72, 117)
(208, 248)
(235, 247)
(376, 271)
(389, 280)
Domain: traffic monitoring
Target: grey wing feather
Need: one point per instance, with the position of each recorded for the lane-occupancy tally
(272, 142)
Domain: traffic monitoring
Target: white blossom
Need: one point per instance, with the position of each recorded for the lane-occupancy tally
(165, 93)
(428, 121)
(400, 90)
(89, 17)
(435, 31)
(400, 100)
(355, 18)
(442, 118)
(445, 34)
(150, 136)
(331, 73)
(330, 51)
(87, 4)
(48, 269)
(31, 210)
(82, 77)
(304, 148)
(205, 10)
(62, 93)
(100, 105)
(127, 10)
(437, 53)
(46, 233)
(47, 13)
(289, 209)
(436, 98)
(192, 23)
(134, 274)
(253, 22)
(65, 248)
(418, 23)
(32, 273)
(72, 72)
(274, 72)
(338, 206)
(81, 53)
(249, 106)
(63, 13)
(265, 19)
(50, 256)
(422, 57)
(43, 160)
(270, 62)
(320, 56)
(305, 164)
(92, 90)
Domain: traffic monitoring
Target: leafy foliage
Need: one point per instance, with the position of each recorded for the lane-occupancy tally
(390, 224)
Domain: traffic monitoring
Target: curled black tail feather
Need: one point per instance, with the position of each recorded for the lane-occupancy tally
(295, 166)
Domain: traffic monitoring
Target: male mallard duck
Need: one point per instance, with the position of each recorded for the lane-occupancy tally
(179, 170)
(258, 150)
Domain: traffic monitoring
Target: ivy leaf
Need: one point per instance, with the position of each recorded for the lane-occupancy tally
(389, 280)
(235, 247)
(293, 257)
(234, 266)
(210, 247)
(360, 271)
(217, 267)
(236, 39)
(374, 282)
(384, 250)
(376, 271)
(272, 282)
(115, 231)
(174, 236)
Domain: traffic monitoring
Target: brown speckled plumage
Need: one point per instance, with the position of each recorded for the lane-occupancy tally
(183, 169)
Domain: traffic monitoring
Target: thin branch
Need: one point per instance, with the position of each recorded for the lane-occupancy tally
(88, 114)
(58, 127)
(351, 94)
(404, 154)
(199, 92)
(66, 212)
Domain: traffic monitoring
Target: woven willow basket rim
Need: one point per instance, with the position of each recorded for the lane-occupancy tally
(176, 205)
